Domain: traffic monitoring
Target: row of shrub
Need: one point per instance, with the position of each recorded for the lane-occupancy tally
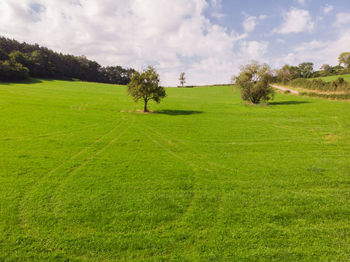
(338, 84)
(339, 70)
(327, 96)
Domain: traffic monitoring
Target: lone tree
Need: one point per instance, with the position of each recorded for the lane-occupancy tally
(254, 80)
(182, 79)
(145, 86)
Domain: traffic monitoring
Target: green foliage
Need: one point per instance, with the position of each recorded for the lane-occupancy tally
(338, 84)
(287, 73)
(84, 179)
(344, 59)
(145, 86)
(254, 82)
(19, 57)
(306, 69)
(336, 96)
(118, 74)
(43, 62)
(3, 55)
(327, 70)
(10, 71)
(334, 77)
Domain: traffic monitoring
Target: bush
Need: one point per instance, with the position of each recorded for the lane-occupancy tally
(254, 82)
(339, 84)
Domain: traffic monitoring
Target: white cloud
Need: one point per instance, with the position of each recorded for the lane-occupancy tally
(218, 15)
(174, 36)
(253, 49)
(249, 23)
(319, 52)
(296, 21)
(343, 19)
(327, 9)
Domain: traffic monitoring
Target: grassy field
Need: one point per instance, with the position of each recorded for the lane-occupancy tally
(331, 78)
(83, 177)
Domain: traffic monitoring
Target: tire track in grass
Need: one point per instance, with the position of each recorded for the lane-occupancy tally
(189, 210)
(200, 154)
(67, 166)
(193, 167)
(195, 170)
(93, 156)
(43, 236)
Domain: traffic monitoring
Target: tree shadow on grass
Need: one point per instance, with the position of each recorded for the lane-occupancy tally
(27, 81)
(34, 81)
(178, 112)
(288, 103)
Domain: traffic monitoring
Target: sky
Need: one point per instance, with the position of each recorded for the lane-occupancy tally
(209, 40)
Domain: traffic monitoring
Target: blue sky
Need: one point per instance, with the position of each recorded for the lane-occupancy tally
(323, 16)
(207, 39)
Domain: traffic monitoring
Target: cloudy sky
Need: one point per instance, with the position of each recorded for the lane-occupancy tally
(207, 39)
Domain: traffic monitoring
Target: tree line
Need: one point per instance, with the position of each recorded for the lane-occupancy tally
(19, 61)
(254, 79)
(306, 70)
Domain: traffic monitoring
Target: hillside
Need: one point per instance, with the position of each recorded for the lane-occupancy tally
(85, 177)
(331, 78)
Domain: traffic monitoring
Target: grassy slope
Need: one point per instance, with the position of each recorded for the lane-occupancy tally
(330, 78)
(209, 178)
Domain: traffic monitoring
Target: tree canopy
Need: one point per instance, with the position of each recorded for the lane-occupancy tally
(344, 59)
(145, 86)
(40, 61)
(306, 69)
(254, 80)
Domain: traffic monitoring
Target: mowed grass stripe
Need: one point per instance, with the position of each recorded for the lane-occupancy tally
(208, 196)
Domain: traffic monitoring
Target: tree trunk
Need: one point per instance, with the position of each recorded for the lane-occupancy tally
(145, 107)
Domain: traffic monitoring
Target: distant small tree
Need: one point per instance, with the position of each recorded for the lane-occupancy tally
(344, 59)
(145, 86)
(182, 79)
(306, 69)
(326, 70)
(254, 80)
(287, 73)
(325, 67)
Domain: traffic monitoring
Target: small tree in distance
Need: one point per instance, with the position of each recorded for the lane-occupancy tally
(145, 86)
(344, 59)
(254, 80)
(182, 79)
(306, 69)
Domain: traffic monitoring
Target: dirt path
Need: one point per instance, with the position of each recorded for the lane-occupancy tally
(285, 89)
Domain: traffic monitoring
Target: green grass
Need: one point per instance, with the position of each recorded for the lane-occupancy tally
(331, 78)
(207, 178)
